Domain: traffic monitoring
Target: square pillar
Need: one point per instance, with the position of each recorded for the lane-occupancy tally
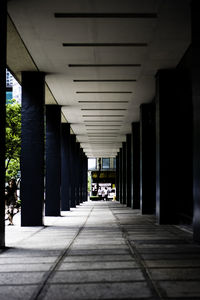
(53, 160)
(117, 177)
(85, 179)
(124, 175)
(120, 176)
(65, 167)
(77, 173)
(135, 166)
(195, 70)
(3, 33)
(81, 175)
(32, 149)
(173, 146)
(128, 169)
(72, 170)
(147, 159)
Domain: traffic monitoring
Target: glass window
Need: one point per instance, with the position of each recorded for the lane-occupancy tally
(114, 163)
(105, 163)
(92, 163)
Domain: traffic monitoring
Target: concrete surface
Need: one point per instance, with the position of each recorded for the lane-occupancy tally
(100, 250)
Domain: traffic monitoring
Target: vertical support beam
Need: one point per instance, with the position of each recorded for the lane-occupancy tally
(173, 146)
(53, 160)
(120, 177)
(81, 175)
(117, 177)
(147, 159)
(86, 177)
(65, 166)
(3, 32)
(128, 169)
(84, 184)
(32, 152)
(124, 185)
(72, 170)
(196, 116)
(135, 166)
(77, 172)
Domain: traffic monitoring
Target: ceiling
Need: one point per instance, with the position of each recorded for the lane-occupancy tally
(100, 58)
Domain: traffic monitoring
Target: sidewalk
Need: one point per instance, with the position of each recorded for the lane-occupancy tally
(100, 250)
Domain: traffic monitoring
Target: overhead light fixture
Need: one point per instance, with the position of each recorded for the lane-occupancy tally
(104, 101)
(99, 121)
(102, 125)
(139, 15)
(104, 109)
(104, 80)
(103, 92)
(105, 44)
(104, 116)
(102, 65)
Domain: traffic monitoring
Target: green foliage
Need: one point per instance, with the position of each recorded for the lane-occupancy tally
(89, 181)
(13, 138)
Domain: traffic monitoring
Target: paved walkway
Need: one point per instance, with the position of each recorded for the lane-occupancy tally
(100, 250)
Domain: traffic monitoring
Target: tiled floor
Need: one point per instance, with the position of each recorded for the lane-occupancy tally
(100, 250)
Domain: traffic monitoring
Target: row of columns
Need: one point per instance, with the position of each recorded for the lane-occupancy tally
(156, 166)
(53, 165)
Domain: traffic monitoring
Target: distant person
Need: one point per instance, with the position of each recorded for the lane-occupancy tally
(99, 193)
(103, 195)
(11, 199)
(106, 194)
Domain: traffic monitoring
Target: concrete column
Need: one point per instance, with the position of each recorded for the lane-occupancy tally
(84, 178)
(65, 166)
(53, 160)
(32, 152)
(72, 170)
(196, 116)
(117, 177)
(77, 172)
(147, 159)
(81, 175)
(128, 169)
(120, 177)
(173, 146)
(3, 33)
(124, 177)
(135, 166)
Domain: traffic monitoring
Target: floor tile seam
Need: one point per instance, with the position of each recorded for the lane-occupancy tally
(38, 293)
(26, 263)
(99, 269)
(96, 254)
(150, 282)
(169, 258)
(95, 282)
(23, 272)
(98, 261)
(19, 284)
(197, 280)
(173, 267)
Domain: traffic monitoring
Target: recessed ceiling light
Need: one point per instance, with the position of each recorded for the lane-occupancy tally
(139, 15)
(104, 80)
(103, 92)
(110, 116)
(104, 109)
(102, 65)
(99, 101)
(105, 44)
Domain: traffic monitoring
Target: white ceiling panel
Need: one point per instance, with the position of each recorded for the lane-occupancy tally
(107, 67)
